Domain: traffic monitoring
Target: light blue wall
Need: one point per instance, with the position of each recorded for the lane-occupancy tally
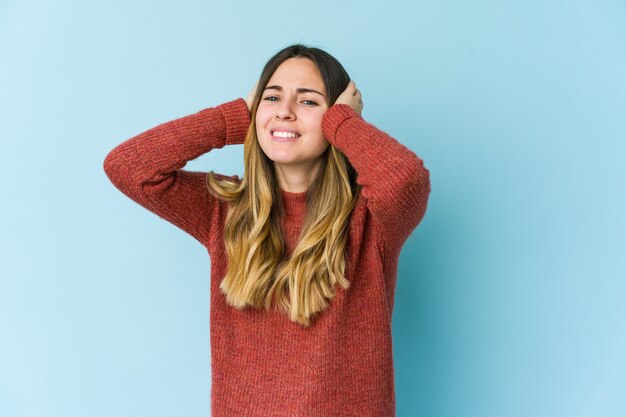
(510, 294)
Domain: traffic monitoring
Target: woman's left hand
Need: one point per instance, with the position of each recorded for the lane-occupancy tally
(352, 97)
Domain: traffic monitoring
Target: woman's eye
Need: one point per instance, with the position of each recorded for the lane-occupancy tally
(312, 103)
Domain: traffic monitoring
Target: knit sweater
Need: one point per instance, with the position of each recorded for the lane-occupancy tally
(263, 364)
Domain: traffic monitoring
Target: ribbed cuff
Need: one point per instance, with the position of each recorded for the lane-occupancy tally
(334, 117)
(237, 119)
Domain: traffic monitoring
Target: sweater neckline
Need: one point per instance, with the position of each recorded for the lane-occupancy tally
(294, 203)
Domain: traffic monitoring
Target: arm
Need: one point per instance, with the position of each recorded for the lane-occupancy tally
(395, 182)
(148, 167)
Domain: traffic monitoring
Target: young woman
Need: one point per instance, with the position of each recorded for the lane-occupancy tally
(304, 248)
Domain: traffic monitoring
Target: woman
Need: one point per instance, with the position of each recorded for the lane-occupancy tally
(303, 249)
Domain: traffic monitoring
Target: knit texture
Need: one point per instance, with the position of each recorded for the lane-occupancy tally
(263, 364)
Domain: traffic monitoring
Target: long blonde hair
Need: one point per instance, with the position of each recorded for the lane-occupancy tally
(260, 274)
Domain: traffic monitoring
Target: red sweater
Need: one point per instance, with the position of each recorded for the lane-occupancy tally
(262, 363)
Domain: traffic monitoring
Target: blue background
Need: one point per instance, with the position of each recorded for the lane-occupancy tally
(510, 294)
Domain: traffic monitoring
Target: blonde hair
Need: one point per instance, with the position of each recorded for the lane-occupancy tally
(260, 274)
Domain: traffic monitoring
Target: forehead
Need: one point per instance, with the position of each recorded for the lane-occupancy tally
(298, 72)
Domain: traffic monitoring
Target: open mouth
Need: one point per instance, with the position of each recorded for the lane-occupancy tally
(284, 135)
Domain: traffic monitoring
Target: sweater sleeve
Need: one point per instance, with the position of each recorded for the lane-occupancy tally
(148, 167)
(395, 182)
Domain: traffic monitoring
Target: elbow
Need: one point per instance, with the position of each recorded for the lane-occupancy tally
(424, 180)
(118, 170)
(420, 188)
(419, 176)
(108, 165)
(111, 166)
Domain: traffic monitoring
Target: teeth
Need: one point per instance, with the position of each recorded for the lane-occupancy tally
(285, 135)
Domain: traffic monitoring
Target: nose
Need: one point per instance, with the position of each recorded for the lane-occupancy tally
(284, 110)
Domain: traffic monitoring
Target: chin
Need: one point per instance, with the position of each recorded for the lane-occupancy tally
(281, 159)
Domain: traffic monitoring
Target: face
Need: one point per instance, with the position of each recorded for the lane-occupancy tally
(284, 107)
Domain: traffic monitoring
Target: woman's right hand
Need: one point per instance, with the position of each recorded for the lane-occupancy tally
(251, 95)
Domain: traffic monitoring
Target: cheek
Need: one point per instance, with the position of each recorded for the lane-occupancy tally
(262, 116)
(315, 123)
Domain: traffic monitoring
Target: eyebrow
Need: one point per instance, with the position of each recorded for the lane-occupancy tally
(298, 90)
